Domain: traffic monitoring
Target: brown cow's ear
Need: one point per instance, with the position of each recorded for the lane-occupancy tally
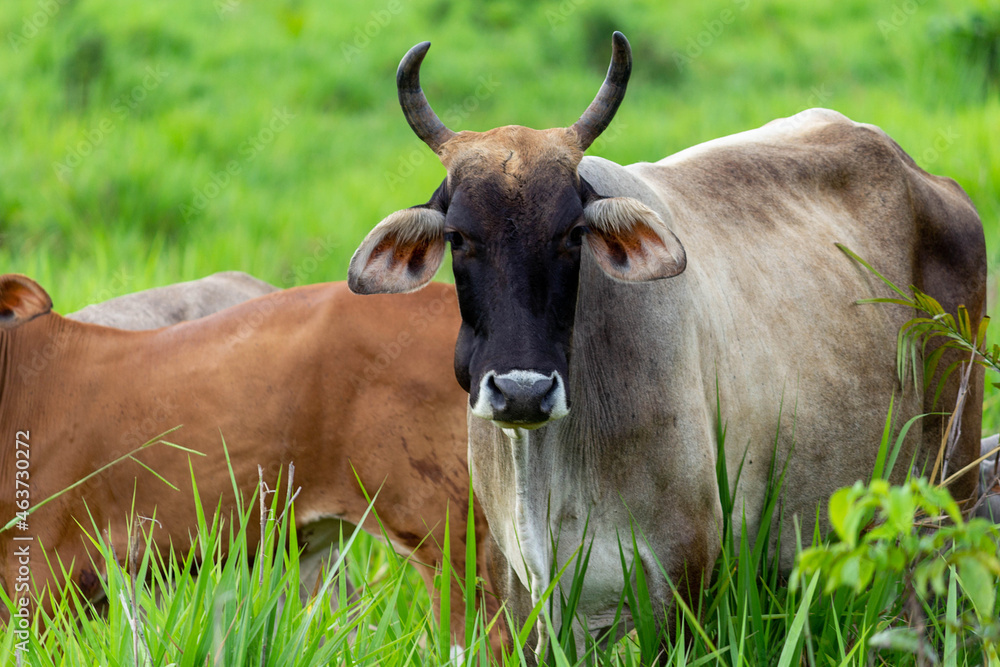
(401, 254)
(21, 299)
(630, 241)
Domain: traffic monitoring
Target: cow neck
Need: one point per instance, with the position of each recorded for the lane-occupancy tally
(6, 368)
(26, 350)
(23, 363)
(27, 353)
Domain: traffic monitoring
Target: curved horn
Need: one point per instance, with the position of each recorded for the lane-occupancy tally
(600, 112)
(417, 110)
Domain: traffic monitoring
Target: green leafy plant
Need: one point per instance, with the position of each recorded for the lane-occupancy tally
(918, 532)
(915, 335)
(895, 540)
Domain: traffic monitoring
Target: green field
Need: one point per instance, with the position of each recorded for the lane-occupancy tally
(144, 143)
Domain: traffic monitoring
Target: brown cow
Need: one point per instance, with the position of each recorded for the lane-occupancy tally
(180, 302)
(311, 375)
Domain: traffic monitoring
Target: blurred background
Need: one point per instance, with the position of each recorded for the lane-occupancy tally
(143, 143)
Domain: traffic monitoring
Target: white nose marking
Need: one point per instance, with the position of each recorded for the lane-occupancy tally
(484, 409)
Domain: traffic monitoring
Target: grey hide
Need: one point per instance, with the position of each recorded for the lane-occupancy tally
(163, 306)
(989, 483)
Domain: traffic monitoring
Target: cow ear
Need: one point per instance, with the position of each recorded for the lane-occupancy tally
(21, 299)
(401, 254)
(630, 241)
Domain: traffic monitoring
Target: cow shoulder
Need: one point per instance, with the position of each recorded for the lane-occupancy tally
(948, 234)
(952, 244)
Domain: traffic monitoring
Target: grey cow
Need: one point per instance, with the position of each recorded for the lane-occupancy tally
(606, 309)
(163, 306)
(989, 481)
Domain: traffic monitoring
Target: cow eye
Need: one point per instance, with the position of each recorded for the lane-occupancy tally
(455, 239)
(575, 237)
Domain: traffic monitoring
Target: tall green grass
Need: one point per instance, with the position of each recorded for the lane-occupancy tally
(224, 601)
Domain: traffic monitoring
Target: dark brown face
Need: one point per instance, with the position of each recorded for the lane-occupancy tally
(516, 247)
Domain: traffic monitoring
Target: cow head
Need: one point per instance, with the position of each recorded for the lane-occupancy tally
(517, 215)
(21, 299)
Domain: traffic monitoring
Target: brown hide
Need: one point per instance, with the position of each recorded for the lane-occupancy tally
(336, 384)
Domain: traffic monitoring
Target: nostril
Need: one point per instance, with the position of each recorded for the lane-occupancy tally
(525, 392)
(551, 396)
(497, 399)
